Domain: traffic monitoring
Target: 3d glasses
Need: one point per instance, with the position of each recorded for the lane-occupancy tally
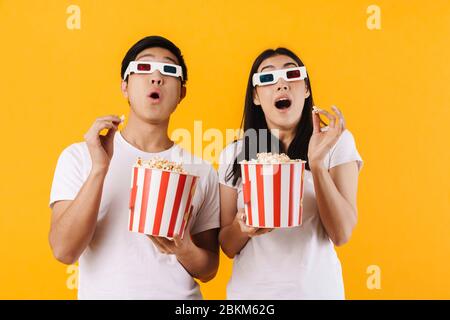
(271, 77)
(142, 67)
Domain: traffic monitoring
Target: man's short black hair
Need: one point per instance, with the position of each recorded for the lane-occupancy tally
(152, 42)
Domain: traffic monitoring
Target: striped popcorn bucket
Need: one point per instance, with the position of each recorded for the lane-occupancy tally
(160, 201)
(273, 194)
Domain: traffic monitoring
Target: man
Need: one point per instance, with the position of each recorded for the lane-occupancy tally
(91, 189)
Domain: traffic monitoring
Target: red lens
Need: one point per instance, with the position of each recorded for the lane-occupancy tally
(143, 67)
(293, 74)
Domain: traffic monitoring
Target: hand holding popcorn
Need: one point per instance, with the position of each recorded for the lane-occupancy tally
(323, 139)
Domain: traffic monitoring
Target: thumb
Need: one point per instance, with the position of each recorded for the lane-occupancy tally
(316, 121)
(111, 132)
(177, 240)
(187, 228)
(109, 139)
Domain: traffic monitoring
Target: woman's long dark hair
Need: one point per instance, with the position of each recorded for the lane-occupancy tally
(254, 119)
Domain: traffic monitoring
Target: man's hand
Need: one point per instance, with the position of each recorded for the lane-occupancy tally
(101, 148)
(176, 246)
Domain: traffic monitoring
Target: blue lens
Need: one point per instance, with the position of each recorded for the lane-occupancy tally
(170, 69)
(266, 78)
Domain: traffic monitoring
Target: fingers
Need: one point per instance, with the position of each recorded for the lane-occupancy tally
(330, 117)
(240, 216)
(341, 118)
(94, 132)
(316, 121)
(163, 245)
(110, 122)
(187, 228)
(261, 231)
(250, 231)
(177, 240)
(104, 124)
(336, 120)
(114, 118)
(157, 245)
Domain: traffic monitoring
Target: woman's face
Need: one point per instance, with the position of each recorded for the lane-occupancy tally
(279, 114)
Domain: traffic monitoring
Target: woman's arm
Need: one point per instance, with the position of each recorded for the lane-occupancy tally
(231, 239)
(234, 233)
(335, 189)
(336, 199)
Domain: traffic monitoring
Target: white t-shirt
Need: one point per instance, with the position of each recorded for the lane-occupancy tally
(289, 263)
(119, 264)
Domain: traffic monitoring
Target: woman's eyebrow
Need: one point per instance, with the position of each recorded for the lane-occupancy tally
(290, 63)
(269, 66)
(285, 65)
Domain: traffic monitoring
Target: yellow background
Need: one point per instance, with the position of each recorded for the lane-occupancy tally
(392, 85)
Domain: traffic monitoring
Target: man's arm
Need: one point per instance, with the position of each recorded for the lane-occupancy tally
(203, 261)
(73, 221)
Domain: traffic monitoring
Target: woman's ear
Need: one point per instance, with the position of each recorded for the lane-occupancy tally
(182, 93)
(123, 88)
(256, 98)
(307, 93)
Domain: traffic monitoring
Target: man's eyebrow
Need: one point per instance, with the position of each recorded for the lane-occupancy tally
(170, 59)
(146, 55)
(152, 56)
(285, 65)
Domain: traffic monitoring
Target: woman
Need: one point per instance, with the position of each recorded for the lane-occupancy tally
(300, 262)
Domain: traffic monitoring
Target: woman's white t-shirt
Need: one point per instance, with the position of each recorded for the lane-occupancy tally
(119, 264)
(290, 263)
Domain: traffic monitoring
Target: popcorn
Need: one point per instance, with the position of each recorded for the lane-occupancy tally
(160, 163)
(270, 158)
(316, 110)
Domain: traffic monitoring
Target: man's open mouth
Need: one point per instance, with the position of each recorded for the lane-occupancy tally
(283, 103)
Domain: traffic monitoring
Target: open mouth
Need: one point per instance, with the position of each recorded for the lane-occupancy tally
(283, 103)
(154, 95)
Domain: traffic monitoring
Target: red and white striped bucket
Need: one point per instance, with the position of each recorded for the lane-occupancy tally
(160, 201)
(273, 194)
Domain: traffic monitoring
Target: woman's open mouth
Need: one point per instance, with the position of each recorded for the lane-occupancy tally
(283, 103)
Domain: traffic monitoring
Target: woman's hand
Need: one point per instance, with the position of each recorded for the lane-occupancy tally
(322, 141)
(249, 231)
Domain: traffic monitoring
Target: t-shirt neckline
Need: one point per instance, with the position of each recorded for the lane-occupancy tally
(128, 145)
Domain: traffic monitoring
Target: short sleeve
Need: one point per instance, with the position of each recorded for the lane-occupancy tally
(344, 151)
(226, 161)
(208, 215)
(69, 175)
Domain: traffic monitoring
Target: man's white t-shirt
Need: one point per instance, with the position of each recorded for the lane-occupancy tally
(119, 264)
(289, 263)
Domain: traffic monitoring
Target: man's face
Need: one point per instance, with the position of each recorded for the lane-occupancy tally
(153, 97)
